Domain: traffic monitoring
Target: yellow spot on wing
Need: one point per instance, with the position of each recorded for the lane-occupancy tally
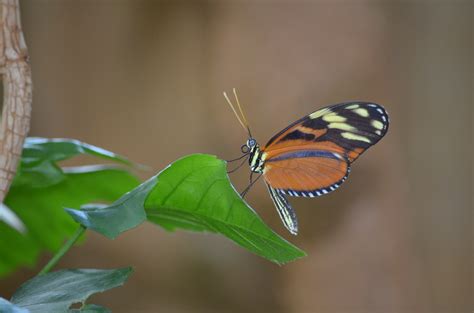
(377, 124)
(333, 117)
(319, 113)
(342, 126)
(362, 112)
(352, 136)
(352, 106)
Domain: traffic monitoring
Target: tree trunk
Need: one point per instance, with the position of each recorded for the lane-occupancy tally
(17, 92)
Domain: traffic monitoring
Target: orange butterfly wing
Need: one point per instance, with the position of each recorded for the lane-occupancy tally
(306, 173)
(312, 156)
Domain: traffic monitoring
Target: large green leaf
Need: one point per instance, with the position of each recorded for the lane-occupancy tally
(55, 292)
(194, 193)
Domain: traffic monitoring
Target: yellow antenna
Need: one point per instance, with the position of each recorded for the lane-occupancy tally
(240, 109)
(233, 109)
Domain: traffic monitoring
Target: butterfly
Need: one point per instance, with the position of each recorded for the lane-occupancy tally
(312, 156)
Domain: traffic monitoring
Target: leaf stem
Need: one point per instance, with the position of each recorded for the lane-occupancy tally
(55, 259)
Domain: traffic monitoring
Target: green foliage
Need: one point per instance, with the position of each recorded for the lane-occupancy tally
(125, 213)
(39, 159)
(194, 193)
(39, 195)
(55, 292)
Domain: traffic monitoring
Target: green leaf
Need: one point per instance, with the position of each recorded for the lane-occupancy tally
(41, 190)
(37, 150)
(124, 214)
(38, 166)
(42, 211)
(55, 292)
(195, 193)
(8, 307)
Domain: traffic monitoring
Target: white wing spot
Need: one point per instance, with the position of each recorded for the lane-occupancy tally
(352, 106)
(319, 113)
(362, 112)
(333, 117)
(377, 124)
(352, 136)
(342, 126)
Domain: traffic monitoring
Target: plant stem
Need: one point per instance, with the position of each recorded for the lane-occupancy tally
(63, 250)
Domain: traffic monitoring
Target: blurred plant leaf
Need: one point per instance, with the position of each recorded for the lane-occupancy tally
(55, 292)
(42, 211)
(37, 150)
(40, 206)
(193, 193)
(8, 307)
(38, 166)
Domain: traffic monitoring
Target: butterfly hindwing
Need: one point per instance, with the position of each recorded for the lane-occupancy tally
(307, 173)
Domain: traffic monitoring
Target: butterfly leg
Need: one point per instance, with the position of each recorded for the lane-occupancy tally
(239, 166)
(251, 183)
(239, 158)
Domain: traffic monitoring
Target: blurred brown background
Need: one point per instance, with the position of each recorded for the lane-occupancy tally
(145, 79)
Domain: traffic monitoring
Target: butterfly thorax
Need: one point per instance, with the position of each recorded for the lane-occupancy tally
(255, 159)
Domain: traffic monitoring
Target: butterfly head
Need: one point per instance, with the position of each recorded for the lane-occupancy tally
(251, 143)
(250, 146)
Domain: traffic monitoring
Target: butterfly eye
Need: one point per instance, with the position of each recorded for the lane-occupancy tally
(244, 149)
(251, 143)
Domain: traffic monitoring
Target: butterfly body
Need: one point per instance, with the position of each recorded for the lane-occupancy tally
(313, 156)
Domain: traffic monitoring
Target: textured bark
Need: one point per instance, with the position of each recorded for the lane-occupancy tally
(17, 87)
